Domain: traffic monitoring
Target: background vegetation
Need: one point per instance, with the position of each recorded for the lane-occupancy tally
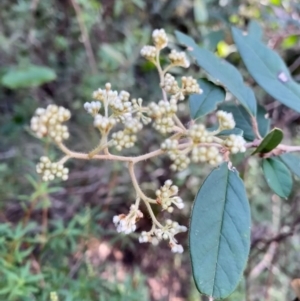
(60, 237)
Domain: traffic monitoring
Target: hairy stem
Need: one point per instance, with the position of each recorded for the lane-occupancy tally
(142, 195)
(255, 127)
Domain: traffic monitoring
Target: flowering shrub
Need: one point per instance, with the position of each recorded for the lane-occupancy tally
(220, 223)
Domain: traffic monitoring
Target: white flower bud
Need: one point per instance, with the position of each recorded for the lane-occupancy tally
(160, 38)
(179, 59)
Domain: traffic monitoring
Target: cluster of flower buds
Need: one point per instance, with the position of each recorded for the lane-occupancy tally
(179, 59)
(226, 121)
(160, 38)
(160, 41)
(209, 154)
(180, 159)
(127, 137)
(167, 196)
(105, 95)
(148, 237)
(149, 52)
(180, 162)
(51, 170)
(104, 124)
(235, 144)
(49, 122)
(92, 107)
(166, 233)
(189, 86)
(163, 114)
(199, 134)
(119, 104)
(122, 140)
(171, 86)
(127, 223)
(139, 110)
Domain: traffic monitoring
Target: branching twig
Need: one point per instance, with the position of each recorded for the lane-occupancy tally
(85, 37)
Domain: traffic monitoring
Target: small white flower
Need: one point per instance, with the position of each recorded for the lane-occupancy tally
(127, 223)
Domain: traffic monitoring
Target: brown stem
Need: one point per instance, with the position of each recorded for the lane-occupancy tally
(85, 37)
(255, 127)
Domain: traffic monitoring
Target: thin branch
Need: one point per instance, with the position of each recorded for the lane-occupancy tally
(255, 127)
(85, 37)
(142, 195)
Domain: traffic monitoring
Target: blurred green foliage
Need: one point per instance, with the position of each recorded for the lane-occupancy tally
(53, 52)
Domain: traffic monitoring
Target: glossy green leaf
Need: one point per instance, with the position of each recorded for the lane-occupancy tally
(268, 69)
(278, 177)
(221, 71)
(30, 76)
(202, 104)
(220, 233)
(243, 120)
(255, 30)
(292, 162)
(271, 141)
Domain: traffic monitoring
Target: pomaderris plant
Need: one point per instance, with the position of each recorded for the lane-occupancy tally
(220, 223)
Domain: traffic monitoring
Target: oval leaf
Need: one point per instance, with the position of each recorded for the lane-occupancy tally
(255, 30)
(235, 131)
(292, 162)
(271, 141)
(278, 177)
(30, 76)
(268, 69)
(220, 233)
(202, 104)
(221, 71)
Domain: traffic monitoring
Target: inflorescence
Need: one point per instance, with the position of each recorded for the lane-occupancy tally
(120, 118)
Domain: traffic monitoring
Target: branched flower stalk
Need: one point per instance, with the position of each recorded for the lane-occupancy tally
(183, 145)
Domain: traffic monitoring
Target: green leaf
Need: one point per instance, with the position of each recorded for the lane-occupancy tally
(202, 104)
(243, 119)
(212, 39)
(186, 40)
(30, 76)
(262, 120)
(268, 69)
(278, 177)
(292, 162)
(221, 71)
(271, 141)
(220, 233)
(255, 30)
(235, 131)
